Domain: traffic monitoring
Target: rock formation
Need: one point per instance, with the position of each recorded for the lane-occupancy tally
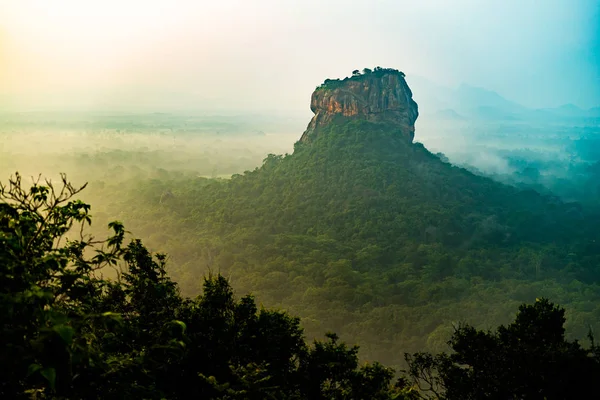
(380, 96)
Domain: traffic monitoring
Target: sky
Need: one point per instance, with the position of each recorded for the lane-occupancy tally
(269, 55)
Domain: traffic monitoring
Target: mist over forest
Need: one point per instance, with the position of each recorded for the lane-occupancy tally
(159, 174)
(551, 150)
(299, 200)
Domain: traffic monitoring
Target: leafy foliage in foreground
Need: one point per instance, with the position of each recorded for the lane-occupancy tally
(66, 332)
(528, 359)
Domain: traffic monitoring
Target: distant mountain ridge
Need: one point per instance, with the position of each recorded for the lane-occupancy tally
(480, 103)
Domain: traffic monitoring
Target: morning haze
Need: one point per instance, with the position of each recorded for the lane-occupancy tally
(252, 56)
(407, 174)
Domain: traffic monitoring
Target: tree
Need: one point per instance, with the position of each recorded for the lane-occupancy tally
(367, 71)
(48, 287)
(67, 332)
(528, 359)
(355, 72)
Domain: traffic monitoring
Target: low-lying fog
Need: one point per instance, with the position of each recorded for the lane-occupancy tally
(558, 156)
(94, 148)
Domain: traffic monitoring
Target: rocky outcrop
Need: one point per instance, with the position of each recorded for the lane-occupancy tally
(377, 96)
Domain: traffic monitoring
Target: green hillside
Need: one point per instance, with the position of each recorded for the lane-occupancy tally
(373, 237)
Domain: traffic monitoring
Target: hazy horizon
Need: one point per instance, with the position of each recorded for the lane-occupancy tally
(268, 56)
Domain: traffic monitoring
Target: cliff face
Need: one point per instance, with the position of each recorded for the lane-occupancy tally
(380, 96)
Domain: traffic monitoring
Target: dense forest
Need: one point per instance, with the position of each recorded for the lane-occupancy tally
(397, 244)
(69, 333)
(220, 200)
(263, 284)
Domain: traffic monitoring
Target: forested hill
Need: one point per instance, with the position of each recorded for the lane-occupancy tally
(362, 183)
(357, 163)
(364, 232)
